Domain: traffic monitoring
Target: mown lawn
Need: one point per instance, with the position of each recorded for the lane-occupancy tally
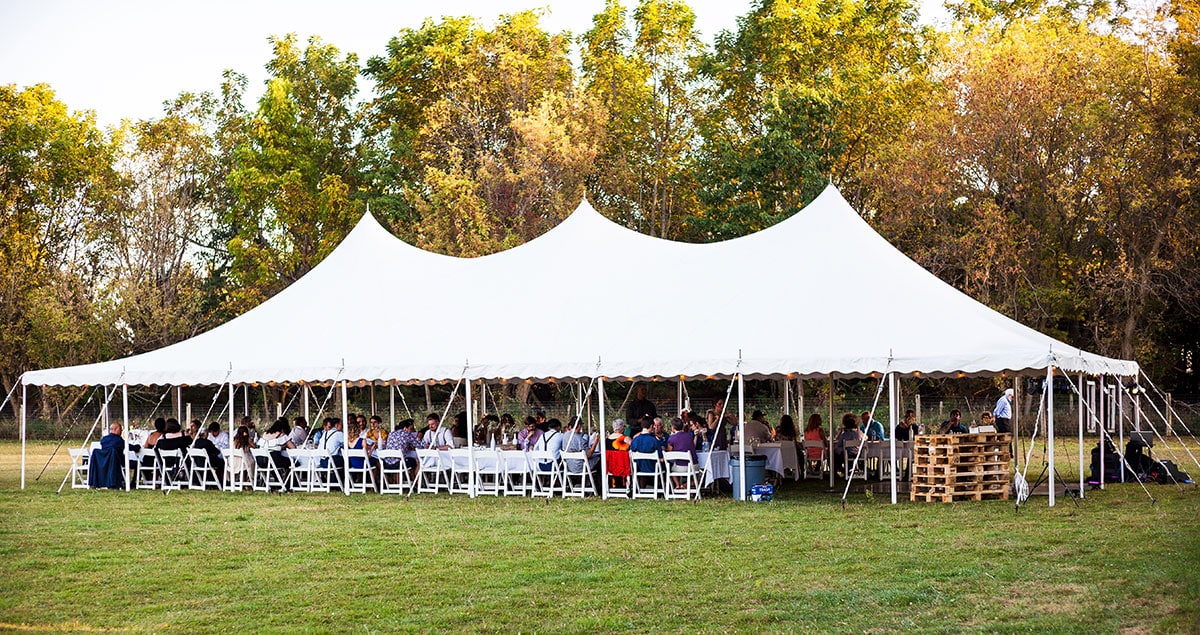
(208, 561)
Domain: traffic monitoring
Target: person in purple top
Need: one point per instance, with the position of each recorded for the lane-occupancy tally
(681, 440)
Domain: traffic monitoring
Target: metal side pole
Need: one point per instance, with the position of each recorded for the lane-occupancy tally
(1079, 400)
(345, 406)
(24, 395)
(603, 433)
(125, 420)
(894, 404)
(307, 396)
(1120, 427)
(391, 406)
(1050, 430)
(742, 438)
(831, 432)
(471, 439)
(1102, 425)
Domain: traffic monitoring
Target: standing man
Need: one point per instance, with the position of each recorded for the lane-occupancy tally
(640, 407)
(1003, 412)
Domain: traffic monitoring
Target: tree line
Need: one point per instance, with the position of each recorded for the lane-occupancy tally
(1040, 155)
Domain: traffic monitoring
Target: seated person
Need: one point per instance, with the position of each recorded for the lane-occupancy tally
(872, 428)
(645, 443)
(107, 465)
(786, 430)
(404, 438)
(987, 419)
(219, 437)
(550, 441)
(437, 436)
(908, 427)
(616, 447)
(172, 439)
(201, 441)
(299, 432)
(845, 446)
(953, 425)
(574, 440)
(815, 432)
(528, 437)
(681, 440)
(757, 430)
(719, 427)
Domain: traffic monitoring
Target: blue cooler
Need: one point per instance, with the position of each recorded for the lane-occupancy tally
(756, 472)
(762, 493)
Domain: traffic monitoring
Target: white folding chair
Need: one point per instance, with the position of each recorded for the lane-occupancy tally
(517, 481)
(434, 476)
(577, 482)
(860, 469)
(300, 476)
(267, 476)
(815, 467)
(393, 478)
(680, 466)
(639, 476)
(356, 479)
(147, 469)
(168, 465)
(80, 459)
(201, 473)
(545, 473)
(489, 472)
(326, 475)
(238, 475)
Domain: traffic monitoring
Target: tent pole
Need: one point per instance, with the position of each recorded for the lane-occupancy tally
(246, 401)
(787, 396)
(893, 403)
(24, 394)
(1120, 428)
(391, 406)
(345, 405)
(124, 424)
(831, 435)
(800, 402)
(1050, 430)
(1079, 401)
(232, 405)
(306, 398)
(1137, 410)
(1102, 426)
(742, 438)
(179, 404)
(604, 452)
(470, 438)
(678, 395)
(372, 397)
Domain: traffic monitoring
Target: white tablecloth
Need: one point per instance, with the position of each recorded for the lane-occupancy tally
(719, 468)
(780, 456)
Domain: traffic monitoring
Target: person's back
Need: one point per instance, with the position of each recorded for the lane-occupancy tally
(757, 432)
(645, 443)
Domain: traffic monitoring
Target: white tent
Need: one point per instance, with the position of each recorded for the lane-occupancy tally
(816, 294)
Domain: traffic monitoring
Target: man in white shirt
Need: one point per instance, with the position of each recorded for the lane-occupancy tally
(219, 437)
(437, 437)
(333, 441)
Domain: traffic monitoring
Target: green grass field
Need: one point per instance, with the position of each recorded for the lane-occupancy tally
(209, 561)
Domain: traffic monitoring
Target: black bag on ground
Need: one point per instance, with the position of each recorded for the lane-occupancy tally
(1166, 472)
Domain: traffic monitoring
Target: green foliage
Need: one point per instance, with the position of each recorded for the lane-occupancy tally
(294, 173)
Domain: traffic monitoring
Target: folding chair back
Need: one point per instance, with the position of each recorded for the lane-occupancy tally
(815, 467)
(80, 459)
(682, 478)
(434, 475)
(545, 473)
(169, 469)
(653, 473)
(517, 479)
(393, 478)
(489, 472)
(201, 473)
(357, 479)
(577, 482)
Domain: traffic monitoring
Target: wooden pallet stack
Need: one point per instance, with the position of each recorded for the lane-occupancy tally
(959, 467)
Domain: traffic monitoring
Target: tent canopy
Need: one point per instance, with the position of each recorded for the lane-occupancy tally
(818, 293)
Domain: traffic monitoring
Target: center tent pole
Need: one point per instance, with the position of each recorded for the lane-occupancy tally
(246, 401)
(391, 406)
(372, 397)
(1079, 401)
(179, 404)
(679, 395)
(893, 403)
(741, 379)
(1120, 427)
(604, 454)
(1102, 425)
(470, 439)
(1050, 430)
(787, 396)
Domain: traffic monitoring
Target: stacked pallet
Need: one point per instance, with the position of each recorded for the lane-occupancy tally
(958, 467)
